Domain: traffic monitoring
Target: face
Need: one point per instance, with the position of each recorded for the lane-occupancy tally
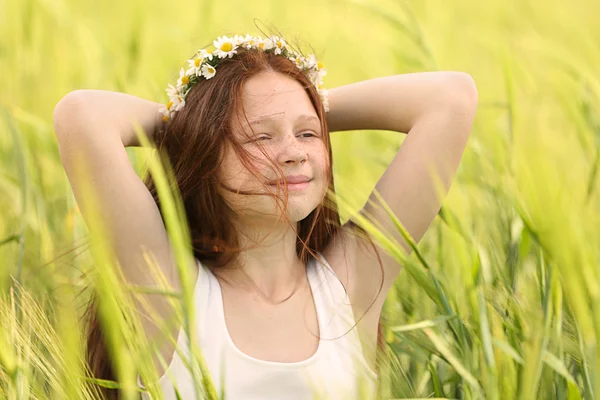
(281, 124)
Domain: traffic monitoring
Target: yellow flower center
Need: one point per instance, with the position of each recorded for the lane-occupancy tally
(169, 105)
(185, 79)
(319, 65)
(279, 44)
(226, 46)
(261, 46)
(210, 69)
(165, 118)
(197, 62)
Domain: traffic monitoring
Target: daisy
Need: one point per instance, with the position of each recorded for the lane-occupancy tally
(179, 103)
(206, 54)
(165, 112)
(172, 91)
(175, 103)
(298, 60)
(313, 76)
(321, 73)
(251, 41)
(183, 78)
(208, 71)
(225, 47)
(265, 44)
(311, 61)
(195, 65)
(279, 44)
(238, 40)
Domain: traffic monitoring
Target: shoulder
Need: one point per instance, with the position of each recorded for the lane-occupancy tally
(362, 267)
(357, 262)
(359, 266)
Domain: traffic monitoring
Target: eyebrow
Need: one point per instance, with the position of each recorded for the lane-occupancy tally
(301, 118)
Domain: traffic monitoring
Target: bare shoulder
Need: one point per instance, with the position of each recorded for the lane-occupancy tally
(360, 265)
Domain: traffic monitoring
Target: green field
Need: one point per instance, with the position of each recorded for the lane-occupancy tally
(502, 298)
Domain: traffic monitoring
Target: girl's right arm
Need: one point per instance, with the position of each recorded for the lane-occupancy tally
(95, 126)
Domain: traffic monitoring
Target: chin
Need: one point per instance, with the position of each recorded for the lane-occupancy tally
(297, 209)
(296, 215)
(298, 206)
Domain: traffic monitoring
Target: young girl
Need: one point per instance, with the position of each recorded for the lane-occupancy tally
(287, 298)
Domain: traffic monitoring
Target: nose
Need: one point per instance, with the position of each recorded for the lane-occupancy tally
(291, 150)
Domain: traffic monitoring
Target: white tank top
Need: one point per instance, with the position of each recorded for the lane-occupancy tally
(337, 370)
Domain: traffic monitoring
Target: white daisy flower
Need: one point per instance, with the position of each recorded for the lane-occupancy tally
(195, 65)
(314, 77)
(208, 71)
(321, 73)
(172, 91)
(298, 60)
(175, 104)
(179, 103)
(310, 61)
(238, 40)
(225, 47)
(279, 44)
(206, 54)
(164, 111)
(266, 44)
(251, 41)
(184, 79)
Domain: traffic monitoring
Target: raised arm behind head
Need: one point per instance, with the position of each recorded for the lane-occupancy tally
(96, 126)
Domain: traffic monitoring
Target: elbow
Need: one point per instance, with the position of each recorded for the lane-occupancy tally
(464, 90)
(66, 110)
(470, 89)
(462, 96)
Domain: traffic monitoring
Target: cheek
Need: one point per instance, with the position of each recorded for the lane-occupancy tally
(237, 176)
(322, 162)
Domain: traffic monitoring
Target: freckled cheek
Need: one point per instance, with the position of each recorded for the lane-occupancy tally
(238, 176)
(321, 161)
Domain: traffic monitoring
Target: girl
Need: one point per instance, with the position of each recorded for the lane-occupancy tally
(288, 299)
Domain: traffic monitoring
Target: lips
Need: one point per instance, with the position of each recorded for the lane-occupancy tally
(293, 179)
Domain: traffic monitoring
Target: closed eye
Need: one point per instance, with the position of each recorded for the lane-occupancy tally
(305, 134)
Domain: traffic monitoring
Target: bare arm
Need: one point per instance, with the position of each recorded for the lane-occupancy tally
(96, 126)
(114, 111)
(436, 110)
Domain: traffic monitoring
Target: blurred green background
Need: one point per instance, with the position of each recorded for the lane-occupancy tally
(513, 258)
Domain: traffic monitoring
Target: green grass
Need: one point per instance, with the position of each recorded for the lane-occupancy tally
(501, 298)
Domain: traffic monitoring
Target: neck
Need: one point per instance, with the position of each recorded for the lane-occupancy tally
(269, 264)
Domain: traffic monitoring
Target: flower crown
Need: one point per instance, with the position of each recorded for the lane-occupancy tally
(204, 63)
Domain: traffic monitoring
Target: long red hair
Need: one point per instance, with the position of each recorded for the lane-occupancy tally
(194, 141)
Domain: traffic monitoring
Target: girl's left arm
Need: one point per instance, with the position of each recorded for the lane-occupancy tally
(436, 110)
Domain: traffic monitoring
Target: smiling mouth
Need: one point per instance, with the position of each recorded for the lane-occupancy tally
(293, 186)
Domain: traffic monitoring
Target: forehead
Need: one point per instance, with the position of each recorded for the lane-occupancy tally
(272, 98)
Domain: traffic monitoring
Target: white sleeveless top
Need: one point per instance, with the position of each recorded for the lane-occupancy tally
(337, 370)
